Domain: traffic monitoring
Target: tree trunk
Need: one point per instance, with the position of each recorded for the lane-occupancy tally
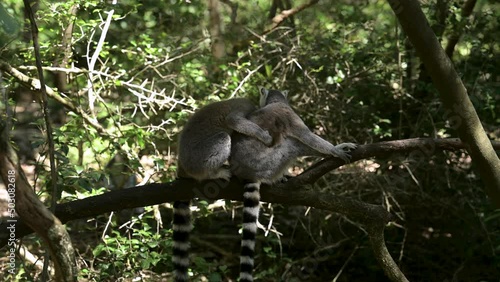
(459, 109)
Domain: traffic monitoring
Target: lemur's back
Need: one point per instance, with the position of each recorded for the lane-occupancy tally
(209, 120)
(252, 160)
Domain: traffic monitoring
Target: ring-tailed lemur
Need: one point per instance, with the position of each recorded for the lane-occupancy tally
(256, 163)
(204, 146)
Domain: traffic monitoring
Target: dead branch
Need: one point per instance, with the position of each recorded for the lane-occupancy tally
(66, 50)
(278, 19)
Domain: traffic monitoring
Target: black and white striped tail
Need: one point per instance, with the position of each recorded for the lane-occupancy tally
(182, 228)
(251, 205)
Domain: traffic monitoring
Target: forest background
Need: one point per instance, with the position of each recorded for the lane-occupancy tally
(125, 76)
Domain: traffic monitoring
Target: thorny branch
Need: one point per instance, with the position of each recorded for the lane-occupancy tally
(35, 84)
(143, 94)
(95, 56)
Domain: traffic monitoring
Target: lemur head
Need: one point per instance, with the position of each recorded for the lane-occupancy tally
(269, 96)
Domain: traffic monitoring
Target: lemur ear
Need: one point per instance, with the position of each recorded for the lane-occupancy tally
(263, 91)
(285, 93)
(263, 96)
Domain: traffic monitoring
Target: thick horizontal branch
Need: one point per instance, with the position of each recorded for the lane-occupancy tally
(185, 189)
(294, 192)
(417, 148)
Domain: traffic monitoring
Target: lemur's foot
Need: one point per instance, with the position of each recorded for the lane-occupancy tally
(343, 151)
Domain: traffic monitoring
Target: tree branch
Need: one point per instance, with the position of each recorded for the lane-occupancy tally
(278, 19)
(391, 269)
(66, 53)
(234, 10)
(34, 214)
(467, 9)
(460, 111)
(91, 63)
(35, 84)
(186, 189)
(294, 192)
(421, 148)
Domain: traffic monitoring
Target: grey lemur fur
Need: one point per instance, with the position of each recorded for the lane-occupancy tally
(204, 147)
(256, 163)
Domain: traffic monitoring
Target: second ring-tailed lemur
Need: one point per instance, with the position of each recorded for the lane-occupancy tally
(204, 147)
(256, 163)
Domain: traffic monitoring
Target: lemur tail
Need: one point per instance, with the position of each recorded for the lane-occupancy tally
(181, 227)
(251, 206)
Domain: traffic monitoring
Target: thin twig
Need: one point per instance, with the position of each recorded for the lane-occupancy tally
(44, 104)
(244, 80)
(48, 125)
